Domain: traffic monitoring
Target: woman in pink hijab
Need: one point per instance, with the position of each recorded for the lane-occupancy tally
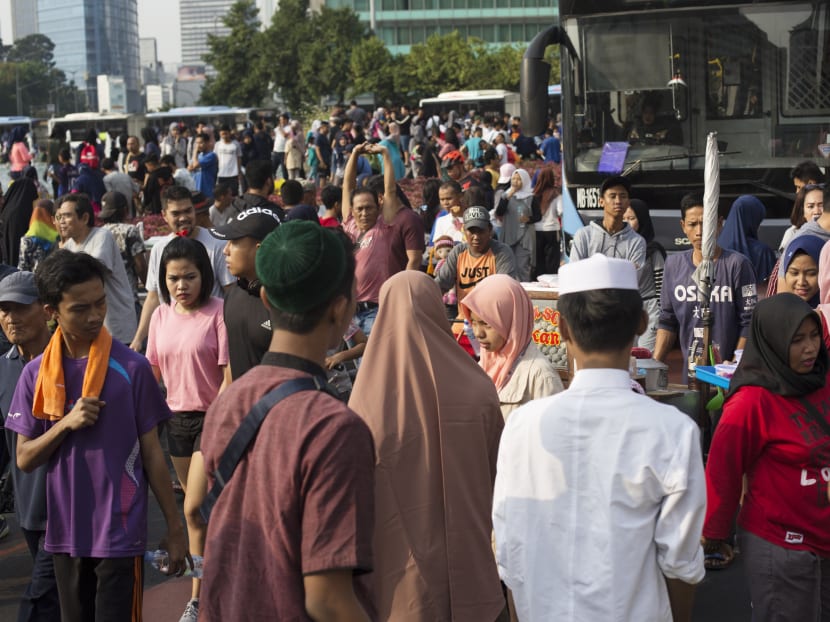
(501, 315)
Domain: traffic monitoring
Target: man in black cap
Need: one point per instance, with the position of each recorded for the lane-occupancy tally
(295, 519)
(23, 318)
(611, 236)
(246, 318)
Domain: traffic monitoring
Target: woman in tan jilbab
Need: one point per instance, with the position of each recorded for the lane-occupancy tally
(435, 418)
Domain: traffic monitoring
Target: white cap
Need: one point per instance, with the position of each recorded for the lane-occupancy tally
(597, 272)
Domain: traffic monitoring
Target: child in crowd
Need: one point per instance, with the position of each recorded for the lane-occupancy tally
(501, 314)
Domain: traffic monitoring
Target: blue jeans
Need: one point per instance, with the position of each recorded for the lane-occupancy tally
(365, 319)
(40, 600)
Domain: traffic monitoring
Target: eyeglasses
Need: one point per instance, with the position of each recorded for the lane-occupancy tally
(62, 217)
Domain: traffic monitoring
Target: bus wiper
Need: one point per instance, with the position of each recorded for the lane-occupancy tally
(666, 158)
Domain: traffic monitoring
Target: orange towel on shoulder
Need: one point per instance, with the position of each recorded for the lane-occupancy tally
(50, 392)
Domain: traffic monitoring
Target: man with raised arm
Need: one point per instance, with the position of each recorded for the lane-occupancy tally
(379, 230)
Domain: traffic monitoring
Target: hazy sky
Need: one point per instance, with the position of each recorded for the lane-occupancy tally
(156, 18)
(160, 19)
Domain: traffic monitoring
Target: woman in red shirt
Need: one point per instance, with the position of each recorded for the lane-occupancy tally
(775, 429)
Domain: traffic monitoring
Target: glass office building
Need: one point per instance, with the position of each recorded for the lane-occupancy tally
(402, 23)
(94, 37)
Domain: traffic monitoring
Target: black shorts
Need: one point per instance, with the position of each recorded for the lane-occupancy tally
(184, 433)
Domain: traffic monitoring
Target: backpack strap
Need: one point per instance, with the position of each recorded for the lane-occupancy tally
(248, 430)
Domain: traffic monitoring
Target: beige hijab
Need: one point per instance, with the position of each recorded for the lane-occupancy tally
(435, 419)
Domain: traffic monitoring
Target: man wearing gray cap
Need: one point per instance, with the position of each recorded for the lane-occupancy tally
(473, 260)
(246, 318)
(23, 319)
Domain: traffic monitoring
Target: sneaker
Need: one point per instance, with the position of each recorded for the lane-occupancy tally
(191, 612)
(4, 527)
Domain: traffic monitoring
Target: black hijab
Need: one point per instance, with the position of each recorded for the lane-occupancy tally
(766, 359)
(15, 216)
(646, 227)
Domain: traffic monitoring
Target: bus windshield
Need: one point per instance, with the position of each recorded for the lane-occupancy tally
(647, 87)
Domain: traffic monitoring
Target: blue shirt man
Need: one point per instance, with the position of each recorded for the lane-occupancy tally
(551, 149)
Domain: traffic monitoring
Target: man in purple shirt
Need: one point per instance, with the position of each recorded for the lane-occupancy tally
(89, 409)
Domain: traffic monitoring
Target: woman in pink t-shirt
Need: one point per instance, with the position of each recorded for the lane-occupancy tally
(19, 156)
(188, 349)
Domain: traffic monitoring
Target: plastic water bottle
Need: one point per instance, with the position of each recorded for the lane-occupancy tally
(160, 561)
(468, 331)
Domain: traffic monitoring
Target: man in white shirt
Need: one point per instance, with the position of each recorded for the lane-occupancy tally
(76, 224)
(179, 214)
(600, 493)
(282, 132)
(229, 154)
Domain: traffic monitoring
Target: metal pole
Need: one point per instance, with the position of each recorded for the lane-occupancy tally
(17, 90)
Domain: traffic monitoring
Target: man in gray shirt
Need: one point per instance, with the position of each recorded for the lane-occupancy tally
(612, 237)
(116, 181)
(76, 224)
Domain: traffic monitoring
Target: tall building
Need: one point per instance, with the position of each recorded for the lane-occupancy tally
(92, 38)
(402, 23)
(149, 61)
(266, 11)
(24, 19)
(198, 19)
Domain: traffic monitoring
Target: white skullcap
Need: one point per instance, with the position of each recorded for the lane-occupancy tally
(597, 272)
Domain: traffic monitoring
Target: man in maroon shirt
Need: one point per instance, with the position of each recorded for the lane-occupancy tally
(293, 526)
(388, 239)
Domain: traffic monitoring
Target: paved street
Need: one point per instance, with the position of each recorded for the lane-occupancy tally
(722, 597)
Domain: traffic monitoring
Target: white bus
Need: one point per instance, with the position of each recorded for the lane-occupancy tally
(78, 124)
(235, 118)
(484, 102)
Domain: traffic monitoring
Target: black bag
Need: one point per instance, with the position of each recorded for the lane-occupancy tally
(248, 429)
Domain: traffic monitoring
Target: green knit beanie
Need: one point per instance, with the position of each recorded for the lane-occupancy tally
(300, 264)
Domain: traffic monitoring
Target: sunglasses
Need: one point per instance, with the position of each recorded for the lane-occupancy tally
(811, 187)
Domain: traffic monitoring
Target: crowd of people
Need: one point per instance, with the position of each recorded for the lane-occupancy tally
(350, 394)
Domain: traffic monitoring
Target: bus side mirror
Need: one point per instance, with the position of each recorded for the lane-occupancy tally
(535, 77)
(534, 95)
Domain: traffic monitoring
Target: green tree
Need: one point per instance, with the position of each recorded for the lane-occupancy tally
(552, 57)
(324, 63)
(371, 70)
(28, 72)
(36, 48)
(504, 65)
(238, 60)
(283, 46)
(443, 63)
